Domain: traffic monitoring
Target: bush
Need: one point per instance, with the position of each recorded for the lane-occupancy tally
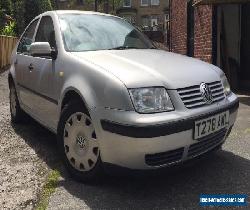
(9, 29)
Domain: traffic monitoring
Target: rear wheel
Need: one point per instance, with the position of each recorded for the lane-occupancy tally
(78, 143)
(17, 114)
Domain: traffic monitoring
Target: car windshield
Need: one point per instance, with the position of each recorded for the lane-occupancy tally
(85, 32)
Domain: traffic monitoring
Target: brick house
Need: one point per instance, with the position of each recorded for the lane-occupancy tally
(215, 31)
(147, 14)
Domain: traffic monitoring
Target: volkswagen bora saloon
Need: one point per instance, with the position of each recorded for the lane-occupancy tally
(112, 98)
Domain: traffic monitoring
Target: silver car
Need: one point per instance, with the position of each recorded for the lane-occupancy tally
(112, 98)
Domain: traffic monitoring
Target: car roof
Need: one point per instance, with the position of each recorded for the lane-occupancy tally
(61, 12)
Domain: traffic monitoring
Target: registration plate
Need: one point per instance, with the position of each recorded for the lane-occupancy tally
(211, 124)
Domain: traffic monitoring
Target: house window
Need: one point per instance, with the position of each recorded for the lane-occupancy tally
(155, 2)
(154, 24)
(145, 21)
(144, 2)
(126, 3)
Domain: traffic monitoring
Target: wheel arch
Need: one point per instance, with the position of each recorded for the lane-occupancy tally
(72, 94)
(12, 76)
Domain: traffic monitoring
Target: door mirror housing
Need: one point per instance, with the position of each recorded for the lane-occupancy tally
(42, 49)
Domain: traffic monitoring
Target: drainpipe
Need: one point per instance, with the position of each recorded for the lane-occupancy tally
(170, 24)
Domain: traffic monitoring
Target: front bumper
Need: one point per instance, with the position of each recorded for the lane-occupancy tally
(145, 145)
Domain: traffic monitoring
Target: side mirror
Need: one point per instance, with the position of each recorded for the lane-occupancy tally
(42, 49)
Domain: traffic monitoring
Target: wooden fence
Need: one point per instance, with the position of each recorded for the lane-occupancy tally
(7, 44)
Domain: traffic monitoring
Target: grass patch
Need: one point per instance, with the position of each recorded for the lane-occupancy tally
(48, 189)
(247, 130)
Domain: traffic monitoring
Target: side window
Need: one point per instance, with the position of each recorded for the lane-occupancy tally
(46, 32)
(27, 38)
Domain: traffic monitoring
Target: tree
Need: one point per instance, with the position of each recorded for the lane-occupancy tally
(108, 6)
(44, 5)
(54, 4)
(5, 9)
(116, 4)
(6, 6)
(32, 9)
(18, 15)
(25, 10)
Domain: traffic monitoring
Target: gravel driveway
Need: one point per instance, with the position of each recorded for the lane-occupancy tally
(225, 172)
(26, 155)
(28, 152)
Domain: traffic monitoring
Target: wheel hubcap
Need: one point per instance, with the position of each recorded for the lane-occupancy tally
(80, 143)
(13, 101)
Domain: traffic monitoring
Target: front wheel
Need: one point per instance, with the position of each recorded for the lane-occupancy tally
(78, 143)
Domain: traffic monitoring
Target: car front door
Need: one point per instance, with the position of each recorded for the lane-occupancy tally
(43, 77)
(23, 70)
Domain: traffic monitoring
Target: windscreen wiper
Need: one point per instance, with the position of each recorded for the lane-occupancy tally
(122, 48)
(127, 47)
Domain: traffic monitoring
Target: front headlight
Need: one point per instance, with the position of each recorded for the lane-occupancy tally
(151, 100)
(226, 85)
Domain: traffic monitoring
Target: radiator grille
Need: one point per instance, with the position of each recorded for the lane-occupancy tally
(164, 157)
(192, 98)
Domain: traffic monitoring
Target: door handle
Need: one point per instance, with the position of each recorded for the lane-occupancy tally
(31, 67)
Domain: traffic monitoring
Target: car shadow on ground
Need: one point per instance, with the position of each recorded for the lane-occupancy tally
(174, 188)
(220, 173)
(41, 140)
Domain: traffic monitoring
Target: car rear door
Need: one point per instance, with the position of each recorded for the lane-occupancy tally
(23, 70)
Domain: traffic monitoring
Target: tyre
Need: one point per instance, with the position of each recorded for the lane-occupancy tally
(17, 114)
(78, 143)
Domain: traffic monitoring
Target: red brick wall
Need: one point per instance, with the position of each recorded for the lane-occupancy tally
(202, 29)
(178, 16)
(203, 33)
